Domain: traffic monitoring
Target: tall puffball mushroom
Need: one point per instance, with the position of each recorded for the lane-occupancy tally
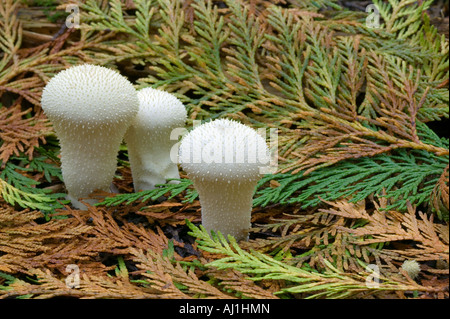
(91, 108)
(224, 158)
(149, 138)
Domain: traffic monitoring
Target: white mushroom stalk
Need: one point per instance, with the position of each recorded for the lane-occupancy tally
(91, 108)
(224, 158)
(149, 138)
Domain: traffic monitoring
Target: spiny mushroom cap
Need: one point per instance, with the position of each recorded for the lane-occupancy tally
(159, 111)
(90, 95)
(223, 150)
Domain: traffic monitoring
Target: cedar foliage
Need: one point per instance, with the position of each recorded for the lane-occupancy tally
(362, 179)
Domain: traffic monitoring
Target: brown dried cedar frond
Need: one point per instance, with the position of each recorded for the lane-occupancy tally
(20, 134)
(10, 31)
(42, 62)
(9, 216)
(159, 279)
(124, 184)
(162, 274)
(144, 247)
(28, 247)
(231, 279)
(431, 240)
(124, 229)
(172, 213)
(298, 229)
(52, 245)
(347, 233)
(90, 286)
(25, 71)
(14, 67)
(311, 230)
(128, 234)
(80, 239)
(440, 196)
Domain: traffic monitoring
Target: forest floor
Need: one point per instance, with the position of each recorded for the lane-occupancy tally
(362, 115)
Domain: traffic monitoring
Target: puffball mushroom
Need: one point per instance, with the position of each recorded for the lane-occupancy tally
(91, 108)
(412, 267)
(223, 159)
(148, 138)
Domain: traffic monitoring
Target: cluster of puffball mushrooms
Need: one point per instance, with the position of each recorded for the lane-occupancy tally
(93, 109)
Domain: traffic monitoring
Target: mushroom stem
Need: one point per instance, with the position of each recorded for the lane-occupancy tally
(228, 213)
(148, 138)
(152, 166)
(91, 168)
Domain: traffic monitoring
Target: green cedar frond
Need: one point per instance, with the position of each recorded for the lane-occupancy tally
(404, 176)
(330, 284)
(30, 198)
(37, 164)
(40, 164)
(153, 194)
(17, 188)
(10, 32)
(315, 5)
(16, 179)
(402, 17)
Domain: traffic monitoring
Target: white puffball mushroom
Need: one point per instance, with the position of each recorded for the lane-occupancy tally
(412, 267)
(223, 158)
(91, 108)
(149, 138)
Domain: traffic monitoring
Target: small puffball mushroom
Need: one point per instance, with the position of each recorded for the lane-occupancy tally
(412, 267)
(91, 108)
(223, 158)
(149, 138)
